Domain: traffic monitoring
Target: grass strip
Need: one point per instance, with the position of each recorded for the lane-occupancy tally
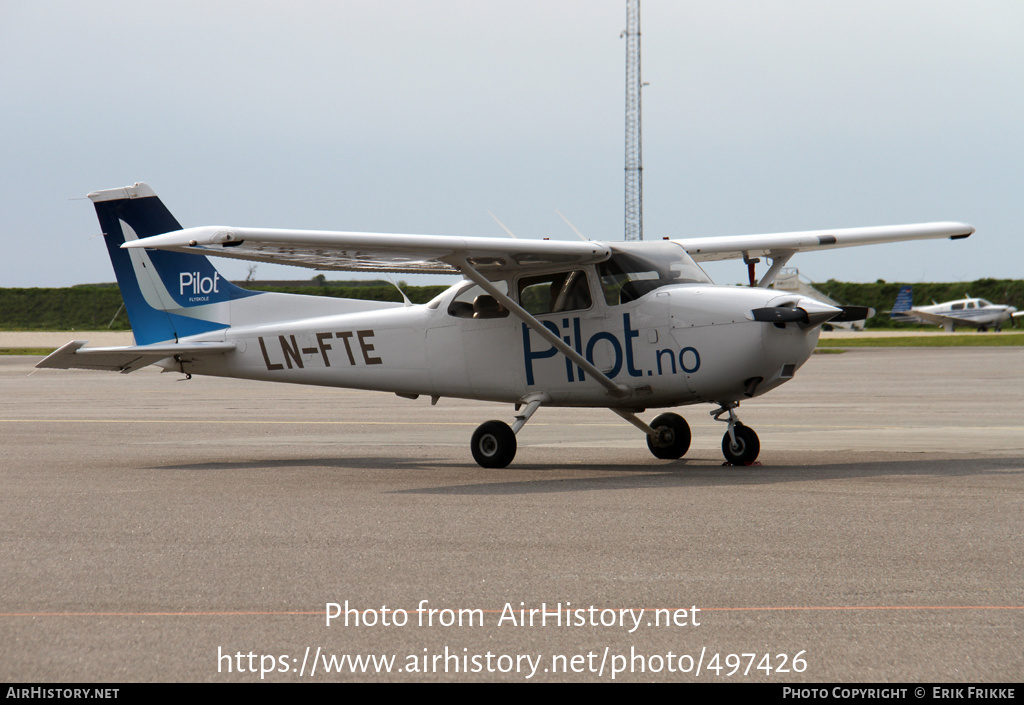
(969, 340)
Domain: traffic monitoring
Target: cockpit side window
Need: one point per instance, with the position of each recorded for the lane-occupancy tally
(632, 273)
(474, 302)
(553, 293)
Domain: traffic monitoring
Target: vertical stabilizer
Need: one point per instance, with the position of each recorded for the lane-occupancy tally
(904, 302)
(168, 295)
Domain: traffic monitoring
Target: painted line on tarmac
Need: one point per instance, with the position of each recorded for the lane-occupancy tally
(320, 613)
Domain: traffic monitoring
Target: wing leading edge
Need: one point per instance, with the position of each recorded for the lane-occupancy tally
(442, 254)
(375, 252)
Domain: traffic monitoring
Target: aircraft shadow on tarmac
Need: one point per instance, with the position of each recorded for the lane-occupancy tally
(528, 478)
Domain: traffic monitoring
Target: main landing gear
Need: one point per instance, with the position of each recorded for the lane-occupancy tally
(668, 435)
(494, 442)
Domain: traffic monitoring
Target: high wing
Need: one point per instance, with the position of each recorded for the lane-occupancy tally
(778, 245)
(376, 252)
(443, 254)
(126, 359)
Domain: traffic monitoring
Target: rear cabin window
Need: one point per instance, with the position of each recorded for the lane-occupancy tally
(474, 302)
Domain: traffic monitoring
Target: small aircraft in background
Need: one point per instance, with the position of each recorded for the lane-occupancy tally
(626, 326)
(978, 313)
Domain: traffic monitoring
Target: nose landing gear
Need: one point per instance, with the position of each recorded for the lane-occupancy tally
(740, 445)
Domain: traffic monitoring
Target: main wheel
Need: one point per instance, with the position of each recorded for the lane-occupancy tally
(673, 437)
(746, 448)
(493, 444)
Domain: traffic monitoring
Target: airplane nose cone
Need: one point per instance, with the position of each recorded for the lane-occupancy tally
(804, 311)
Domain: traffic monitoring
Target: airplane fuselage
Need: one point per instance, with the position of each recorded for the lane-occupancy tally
(972, 312)
(676, 345)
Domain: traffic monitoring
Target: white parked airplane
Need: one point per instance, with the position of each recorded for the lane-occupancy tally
(627, 326)
(963, 312)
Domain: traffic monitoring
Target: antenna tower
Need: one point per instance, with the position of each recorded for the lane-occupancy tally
(634, 160)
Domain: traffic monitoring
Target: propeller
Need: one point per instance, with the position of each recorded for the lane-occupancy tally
(823, 313)
(780, 314)
(811, 314)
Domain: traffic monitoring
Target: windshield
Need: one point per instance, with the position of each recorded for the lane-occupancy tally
(638, 268)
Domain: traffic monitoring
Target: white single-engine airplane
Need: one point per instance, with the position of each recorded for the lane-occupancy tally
(963, 312)
(627, 325)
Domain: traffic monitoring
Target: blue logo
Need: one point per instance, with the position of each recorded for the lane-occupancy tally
(666, 360)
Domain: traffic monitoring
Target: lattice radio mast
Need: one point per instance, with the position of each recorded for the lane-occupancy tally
(634, 160)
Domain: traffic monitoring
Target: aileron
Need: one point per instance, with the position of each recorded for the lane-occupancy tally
(706, 249)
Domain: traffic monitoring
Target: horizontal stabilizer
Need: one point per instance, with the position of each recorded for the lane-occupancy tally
(73, 356)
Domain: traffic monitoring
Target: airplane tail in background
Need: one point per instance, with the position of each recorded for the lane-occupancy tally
(904, 302)
(168, 295)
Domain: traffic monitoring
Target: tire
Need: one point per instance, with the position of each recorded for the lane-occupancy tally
(674, 439)
(493, 445)
(747, 446)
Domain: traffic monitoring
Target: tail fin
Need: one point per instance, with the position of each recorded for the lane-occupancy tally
(168, 295)
(904, 302)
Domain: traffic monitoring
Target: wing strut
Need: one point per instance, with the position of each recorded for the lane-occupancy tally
(613, 387)
(779, 260)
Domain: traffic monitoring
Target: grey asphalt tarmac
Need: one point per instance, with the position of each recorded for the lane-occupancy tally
(153, 529)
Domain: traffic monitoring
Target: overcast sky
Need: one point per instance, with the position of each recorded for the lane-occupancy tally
(422, 116)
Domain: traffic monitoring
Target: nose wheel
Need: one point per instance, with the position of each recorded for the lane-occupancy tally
(744, 449)
(740, 445)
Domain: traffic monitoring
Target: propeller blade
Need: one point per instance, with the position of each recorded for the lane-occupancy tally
(854, 313)
(780, 314)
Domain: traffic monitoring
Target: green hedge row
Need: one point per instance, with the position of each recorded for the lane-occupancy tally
(98, 306)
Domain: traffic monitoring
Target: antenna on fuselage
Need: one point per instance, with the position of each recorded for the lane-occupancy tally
(578, 233)
(395, 284)
(501, 224)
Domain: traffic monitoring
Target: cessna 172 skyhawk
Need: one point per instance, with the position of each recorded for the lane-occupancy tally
(627, 326)
(963, 312)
